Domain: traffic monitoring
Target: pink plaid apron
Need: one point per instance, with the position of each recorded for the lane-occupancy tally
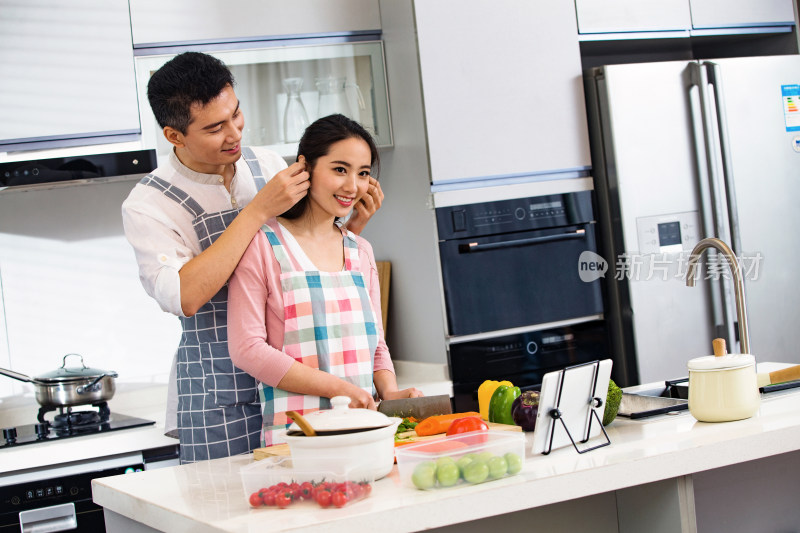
(329, 325)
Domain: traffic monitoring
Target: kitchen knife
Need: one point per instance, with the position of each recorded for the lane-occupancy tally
(419, 408)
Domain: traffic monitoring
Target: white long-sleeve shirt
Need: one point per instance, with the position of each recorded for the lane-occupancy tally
(160, 230)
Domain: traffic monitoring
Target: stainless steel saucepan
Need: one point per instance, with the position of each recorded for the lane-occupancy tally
(69, 386)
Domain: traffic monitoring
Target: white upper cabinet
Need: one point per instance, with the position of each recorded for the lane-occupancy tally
(738, 13)
(66, 72)
(156, 22)
(617, 16)
(502, 90)
(626, 16)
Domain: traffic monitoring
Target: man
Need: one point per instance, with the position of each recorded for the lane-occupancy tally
(189, 223)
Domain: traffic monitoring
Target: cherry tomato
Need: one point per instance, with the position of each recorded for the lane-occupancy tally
(269, 497)
(352, 490)
(324, 498)
(339, 499)
(306, 490)
(255, 500)
(467, 424)
(283, 499)
(366, 488)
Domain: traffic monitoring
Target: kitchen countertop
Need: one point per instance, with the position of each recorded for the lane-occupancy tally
(208, 496)
(145, 400)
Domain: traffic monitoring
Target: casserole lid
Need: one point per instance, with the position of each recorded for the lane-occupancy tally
(73, 373)
(729, 361)
(342, 418)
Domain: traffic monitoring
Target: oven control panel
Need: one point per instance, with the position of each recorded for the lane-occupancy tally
(518, 214)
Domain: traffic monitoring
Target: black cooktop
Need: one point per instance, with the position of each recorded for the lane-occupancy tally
(68, 423)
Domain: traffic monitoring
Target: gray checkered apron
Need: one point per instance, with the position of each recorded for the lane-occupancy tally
(219, 413)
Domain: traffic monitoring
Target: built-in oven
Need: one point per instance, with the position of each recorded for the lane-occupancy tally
(522, 292)
(522, 358)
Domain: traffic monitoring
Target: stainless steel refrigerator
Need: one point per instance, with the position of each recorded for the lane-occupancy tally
(686, 150)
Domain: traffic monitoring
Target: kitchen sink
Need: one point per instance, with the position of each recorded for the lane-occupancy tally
(672, 398)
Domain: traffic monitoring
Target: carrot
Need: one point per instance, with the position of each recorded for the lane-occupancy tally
(434, 425)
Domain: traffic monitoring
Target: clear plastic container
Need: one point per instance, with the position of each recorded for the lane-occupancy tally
(276, 483)
(467, 458)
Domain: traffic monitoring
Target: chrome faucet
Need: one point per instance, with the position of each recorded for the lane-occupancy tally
(738, 287)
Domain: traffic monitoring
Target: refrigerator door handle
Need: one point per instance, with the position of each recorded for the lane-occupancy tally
(715, 80)
(713, 195)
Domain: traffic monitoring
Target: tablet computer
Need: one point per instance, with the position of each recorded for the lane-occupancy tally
(573, 392)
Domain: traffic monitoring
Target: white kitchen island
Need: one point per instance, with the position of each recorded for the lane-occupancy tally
(668, 473)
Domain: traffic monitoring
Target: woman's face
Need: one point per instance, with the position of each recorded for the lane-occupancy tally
(341, 177)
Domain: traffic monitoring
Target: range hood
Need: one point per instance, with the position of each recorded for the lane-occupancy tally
(75, 170)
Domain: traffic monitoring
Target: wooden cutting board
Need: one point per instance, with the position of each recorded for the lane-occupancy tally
(406, 436)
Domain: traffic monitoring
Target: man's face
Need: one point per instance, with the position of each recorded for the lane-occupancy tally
(213, 137)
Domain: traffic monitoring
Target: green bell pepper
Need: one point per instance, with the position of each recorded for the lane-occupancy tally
(500, 404)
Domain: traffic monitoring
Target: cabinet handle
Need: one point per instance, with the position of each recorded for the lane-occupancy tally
(473, 247)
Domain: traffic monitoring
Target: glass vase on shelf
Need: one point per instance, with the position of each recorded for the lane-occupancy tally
(333, 97)
(295, 118)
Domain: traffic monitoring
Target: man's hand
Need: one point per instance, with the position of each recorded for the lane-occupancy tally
(282, 191)
(366, 207)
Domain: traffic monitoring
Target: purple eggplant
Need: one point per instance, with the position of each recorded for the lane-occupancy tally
(524, 410)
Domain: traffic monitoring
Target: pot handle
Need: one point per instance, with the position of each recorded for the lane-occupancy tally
(88, 388)
(17, 375)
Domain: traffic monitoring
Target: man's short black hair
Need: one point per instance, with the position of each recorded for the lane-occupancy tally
(188, 78)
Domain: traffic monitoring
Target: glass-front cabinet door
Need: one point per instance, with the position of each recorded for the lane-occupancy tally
(283, 89)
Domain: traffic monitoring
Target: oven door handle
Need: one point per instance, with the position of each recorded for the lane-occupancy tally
(473, 247)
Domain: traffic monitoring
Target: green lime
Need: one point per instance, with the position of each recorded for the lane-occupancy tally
(484, 456)
(514, 463)
(463, 462)
(424, 476)
(444, 460)
(447, 473)
(476, 472)
(497, 467)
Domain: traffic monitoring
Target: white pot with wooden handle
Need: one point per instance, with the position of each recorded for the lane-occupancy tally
(724, 387)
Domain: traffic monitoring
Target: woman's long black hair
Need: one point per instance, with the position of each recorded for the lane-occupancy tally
(317, 141)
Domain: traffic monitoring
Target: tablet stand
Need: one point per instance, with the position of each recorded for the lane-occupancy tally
(556, 414)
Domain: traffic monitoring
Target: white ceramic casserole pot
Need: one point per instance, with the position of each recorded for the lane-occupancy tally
(347, 437)
(723, 388)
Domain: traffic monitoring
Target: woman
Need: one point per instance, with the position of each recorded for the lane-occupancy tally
(302, 319)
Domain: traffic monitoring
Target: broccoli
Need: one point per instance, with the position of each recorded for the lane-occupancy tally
(612, 402)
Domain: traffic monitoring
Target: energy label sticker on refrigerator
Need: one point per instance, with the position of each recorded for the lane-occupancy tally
(791, 106)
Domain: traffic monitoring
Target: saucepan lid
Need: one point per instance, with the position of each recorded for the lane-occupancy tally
(66, 373)
(721, 360)
(342, 419)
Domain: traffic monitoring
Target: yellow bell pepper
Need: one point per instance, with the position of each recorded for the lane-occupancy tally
(485, 392)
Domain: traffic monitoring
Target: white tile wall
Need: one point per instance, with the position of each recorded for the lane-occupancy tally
(70, 284)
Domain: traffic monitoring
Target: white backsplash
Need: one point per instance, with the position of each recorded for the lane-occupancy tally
(70, 284)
